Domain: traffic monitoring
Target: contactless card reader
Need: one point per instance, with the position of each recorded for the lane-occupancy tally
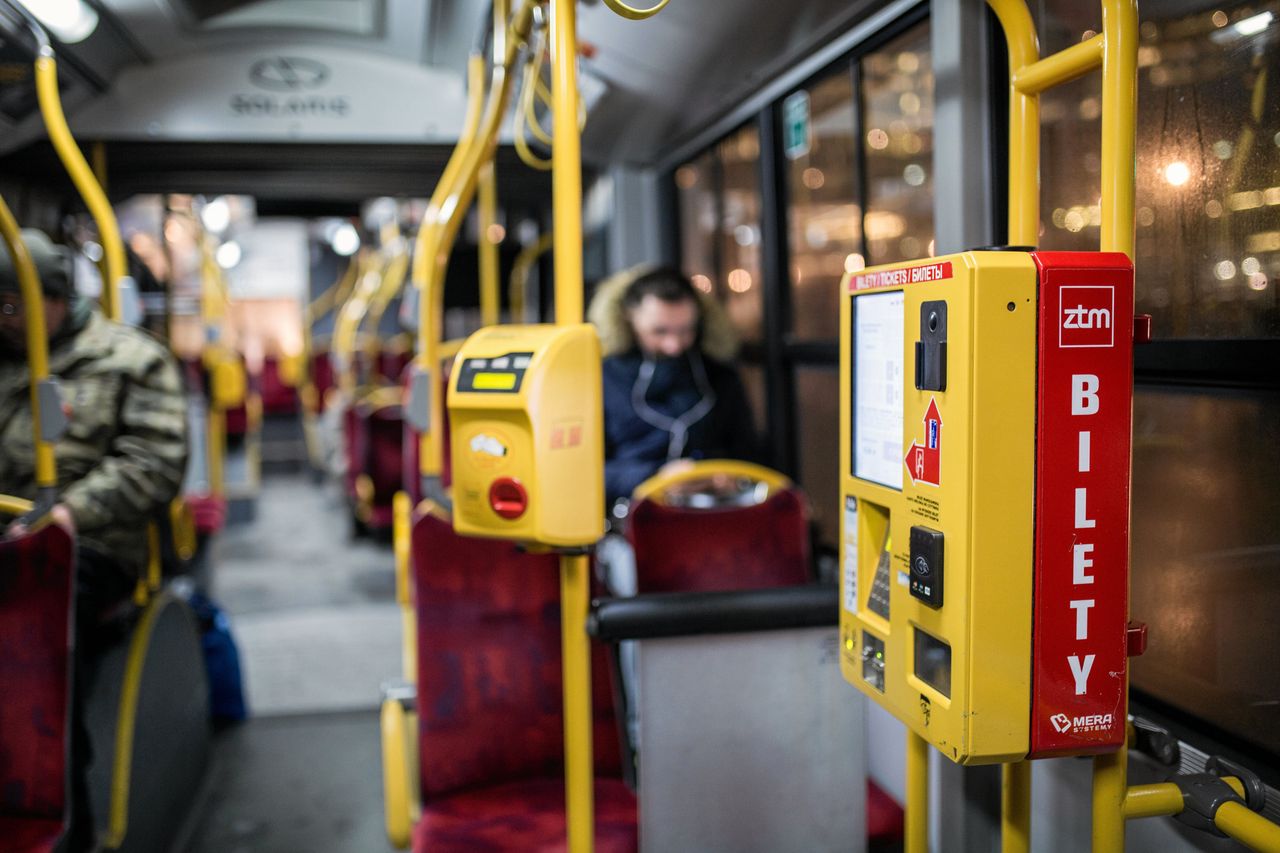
(986, 405)
(527, 425)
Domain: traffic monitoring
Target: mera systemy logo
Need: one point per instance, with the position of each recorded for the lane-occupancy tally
(288, 74)
(1082, 724)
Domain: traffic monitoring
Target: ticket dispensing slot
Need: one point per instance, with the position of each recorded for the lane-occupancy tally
(960, 589)
(527, 423)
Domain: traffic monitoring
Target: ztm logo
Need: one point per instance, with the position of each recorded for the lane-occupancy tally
(1087, 317)
(1061, 722)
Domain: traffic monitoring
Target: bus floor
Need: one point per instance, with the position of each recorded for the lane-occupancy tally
(314, 616)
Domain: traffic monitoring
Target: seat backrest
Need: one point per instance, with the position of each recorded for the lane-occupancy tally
(489, 686)
(679, 549)
(35, 672)
(322, 377)
(277, 397)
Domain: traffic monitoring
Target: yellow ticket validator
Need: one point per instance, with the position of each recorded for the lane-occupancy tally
(527, 434)
(938, 388)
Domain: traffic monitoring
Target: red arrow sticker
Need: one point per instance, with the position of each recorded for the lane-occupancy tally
(924, 461)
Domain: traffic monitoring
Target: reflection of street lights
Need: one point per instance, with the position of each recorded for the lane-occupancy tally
(1177, 173)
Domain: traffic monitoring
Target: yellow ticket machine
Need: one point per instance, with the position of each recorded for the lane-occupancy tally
(527, 425)
(985, 440)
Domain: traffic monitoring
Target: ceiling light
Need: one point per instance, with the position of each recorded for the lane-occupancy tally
(70, 20)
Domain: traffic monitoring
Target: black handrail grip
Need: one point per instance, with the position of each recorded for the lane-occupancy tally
(686, 614)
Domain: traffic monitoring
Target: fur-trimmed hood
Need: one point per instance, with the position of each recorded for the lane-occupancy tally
(717, 340)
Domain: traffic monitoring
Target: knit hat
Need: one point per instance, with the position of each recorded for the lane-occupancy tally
(54, 265)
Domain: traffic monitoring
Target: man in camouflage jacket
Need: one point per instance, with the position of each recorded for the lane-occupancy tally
(119, 462)
(123, 454)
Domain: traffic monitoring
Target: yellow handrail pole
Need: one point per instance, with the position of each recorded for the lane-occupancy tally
(82, 176)
(1015, 807)
(1163, 799)
(1119, 129)
(1061, 67)
(436, 241)
(37, 346)
(1249, 828)
(430, 322)
(566, 208)
(917, 811)
(1024, 124)
(1119, 123)
(520, 269)
(487, 202)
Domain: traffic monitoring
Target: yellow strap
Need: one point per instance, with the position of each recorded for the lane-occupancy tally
(90, 190)
(633, 14)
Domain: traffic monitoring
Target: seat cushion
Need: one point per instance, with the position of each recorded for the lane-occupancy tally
(525, 816)
(884, 815)
(29, 835)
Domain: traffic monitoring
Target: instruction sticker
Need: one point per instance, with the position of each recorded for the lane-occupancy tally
(851, 554)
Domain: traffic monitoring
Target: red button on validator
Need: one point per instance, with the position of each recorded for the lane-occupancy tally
(508, 498)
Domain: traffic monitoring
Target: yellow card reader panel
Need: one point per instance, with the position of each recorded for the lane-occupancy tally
(527, 425)
(937, 468)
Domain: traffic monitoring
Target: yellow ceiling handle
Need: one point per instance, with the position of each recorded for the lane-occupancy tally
(526, 114)
(633, 14)
(82, 176)
(520, 270)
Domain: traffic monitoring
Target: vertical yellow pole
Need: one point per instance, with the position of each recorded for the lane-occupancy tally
(37, 343)
(1015, 807)
(490, 309)
(566, 155)
(217, 449)
(566, 177)
(1024, 125)
(1119, 122)
(1119, 130)
(917, 816)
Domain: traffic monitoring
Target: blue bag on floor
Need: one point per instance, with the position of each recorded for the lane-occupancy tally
(221, 661)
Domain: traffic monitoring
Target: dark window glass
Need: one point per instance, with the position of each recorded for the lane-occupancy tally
(1206, 556)
(818, 428)
(897, 109)
(740, 286)
(696, 197)
(823, 217)
(1208, 193)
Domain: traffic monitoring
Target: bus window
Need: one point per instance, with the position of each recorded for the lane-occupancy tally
(1206, 556)
(897, 121)
(824, 223)
(740, 233)
(1207, 249)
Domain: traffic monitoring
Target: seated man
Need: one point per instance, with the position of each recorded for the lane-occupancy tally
(120, 461)
(670, 394)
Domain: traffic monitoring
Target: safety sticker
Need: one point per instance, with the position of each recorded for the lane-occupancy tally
(924, 461)
(851, 554)
(901, 276)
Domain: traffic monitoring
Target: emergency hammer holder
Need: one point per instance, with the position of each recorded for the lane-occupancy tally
(985, 446)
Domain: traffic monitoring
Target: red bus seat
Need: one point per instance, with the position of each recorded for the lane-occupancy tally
(277, 397)
(679, 549)
(491, 738)
(35, 675)
(322, 377)
(885, 818)
(374, 436)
